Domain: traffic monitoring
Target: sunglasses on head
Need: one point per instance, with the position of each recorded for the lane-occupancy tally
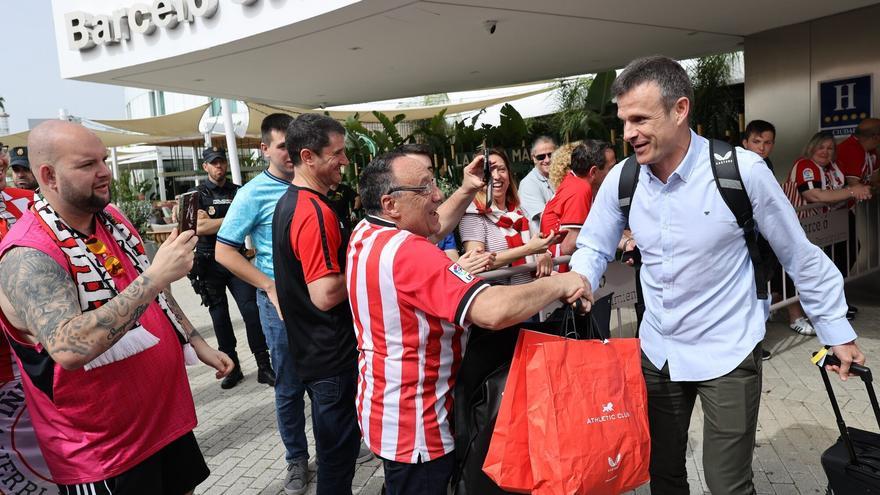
(111, 263)
(542, 156)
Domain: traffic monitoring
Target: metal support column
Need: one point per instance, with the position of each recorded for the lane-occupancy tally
(114, 163)
(160, 172)
(231, 147)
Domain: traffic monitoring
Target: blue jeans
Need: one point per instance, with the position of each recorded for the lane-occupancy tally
(289, 390)
(337, 435)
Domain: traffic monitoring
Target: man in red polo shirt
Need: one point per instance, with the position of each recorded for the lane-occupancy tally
(412, 308)
(857, 154)
(590, 163)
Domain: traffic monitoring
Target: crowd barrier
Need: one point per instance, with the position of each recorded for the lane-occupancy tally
(827, 227)
(824, 227)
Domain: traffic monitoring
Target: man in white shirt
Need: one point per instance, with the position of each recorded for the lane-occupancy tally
(535, 189)
(703, 325)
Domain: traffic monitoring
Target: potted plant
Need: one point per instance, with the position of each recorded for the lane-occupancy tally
(126, 195)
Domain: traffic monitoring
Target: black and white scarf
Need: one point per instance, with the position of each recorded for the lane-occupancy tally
(96, 287)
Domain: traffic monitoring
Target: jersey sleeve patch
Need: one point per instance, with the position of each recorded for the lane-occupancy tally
(461, 273)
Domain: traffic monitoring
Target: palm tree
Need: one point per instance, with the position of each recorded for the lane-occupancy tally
(714, 107)
(2, 104)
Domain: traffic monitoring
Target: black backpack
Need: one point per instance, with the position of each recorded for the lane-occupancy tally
(726, 171)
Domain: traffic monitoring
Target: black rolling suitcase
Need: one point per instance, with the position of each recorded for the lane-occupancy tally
(852, 464)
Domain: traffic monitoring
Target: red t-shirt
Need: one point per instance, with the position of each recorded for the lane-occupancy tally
(315, 237)
(409, 303)
(569, 207)
(854, 161)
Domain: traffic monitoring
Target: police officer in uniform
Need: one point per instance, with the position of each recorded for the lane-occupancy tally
(211, 279)
(22, 176)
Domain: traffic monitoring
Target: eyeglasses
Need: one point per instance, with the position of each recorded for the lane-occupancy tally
(542, 156)
(111, 263)
(425, 190)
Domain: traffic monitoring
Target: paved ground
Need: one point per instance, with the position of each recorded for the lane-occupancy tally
(238, 435)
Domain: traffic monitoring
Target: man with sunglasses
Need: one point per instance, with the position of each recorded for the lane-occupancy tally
(210, 279)
(98, 337)
(535, 189)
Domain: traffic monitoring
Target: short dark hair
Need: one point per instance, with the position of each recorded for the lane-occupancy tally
(666, 73)
(310, 131)
(416, 149)
(590, 153)
(377, 179)
(759, 127)
(273, 122)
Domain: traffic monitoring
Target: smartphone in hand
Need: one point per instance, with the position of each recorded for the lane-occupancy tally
(487, 175)
(188, 211)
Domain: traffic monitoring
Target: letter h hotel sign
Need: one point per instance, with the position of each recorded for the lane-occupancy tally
(843, 103)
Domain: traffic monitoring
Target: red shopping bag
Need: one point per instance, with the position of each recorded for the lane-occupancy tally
(587, 417)
(507, 461)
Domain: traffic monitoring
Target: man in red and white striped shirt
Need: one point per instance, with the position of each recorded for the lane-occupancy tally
(412, 307)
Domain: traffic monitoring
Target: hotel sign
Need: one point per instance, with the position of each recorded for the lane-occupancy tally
(843, 103)
(86, 30)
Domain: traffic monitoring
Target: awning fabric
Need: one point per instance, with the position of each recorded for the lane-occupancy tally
(185, 123)
(109, 138)
(258, 111)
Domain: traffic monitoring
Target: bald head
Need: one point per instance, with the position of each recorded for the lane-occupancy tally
(53, 140)
(48, 140)
(69, 162)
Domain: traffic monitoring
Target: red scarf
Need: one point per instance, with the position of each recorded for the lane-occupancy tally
(513, 225)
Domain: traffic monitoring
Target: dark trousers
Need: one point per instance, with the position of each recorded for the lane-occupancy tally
(424, 478)
(218, 279)
(730, 417)
(337, 435)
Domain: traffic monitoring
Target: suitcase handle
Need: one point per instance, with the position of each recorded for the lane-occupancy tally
(856, 369)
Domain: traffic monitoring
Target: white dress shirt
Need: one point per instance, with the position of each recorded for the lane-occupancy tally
(702, 313)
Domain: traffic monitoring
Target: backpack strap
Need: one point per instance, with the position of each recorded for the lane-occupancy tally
(730, 185)
(626, 188)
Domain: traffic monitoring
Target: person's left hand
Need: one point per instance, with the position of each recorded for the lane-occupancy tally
(847, 354)
(213, 358)
(202, 215)
(544, 265)
(476, 261)
(472, 179)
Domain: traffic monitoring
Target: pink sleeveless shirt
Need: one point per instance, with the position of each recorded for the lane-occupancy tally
(101, 423)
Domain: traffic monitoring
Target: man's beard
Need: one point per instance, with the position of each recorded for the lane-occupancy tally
(90, 202)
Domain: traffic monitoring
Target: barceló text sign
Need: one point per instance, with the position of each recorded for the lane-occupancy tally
(86, 30)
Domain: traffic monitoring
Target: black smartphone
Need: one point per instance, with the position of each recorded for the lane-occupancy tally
(188, 211)
(487, 175)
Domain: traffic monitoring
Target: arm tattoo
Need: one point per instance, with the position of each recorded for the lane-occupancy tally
(45, 298)
(181, 317)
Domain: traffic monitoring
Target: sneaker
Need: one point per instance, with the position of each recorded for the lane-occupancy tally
(232, 379)
(364, 454)
(803, 326)
(851, 313)
(297, 479)
(765, 354)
